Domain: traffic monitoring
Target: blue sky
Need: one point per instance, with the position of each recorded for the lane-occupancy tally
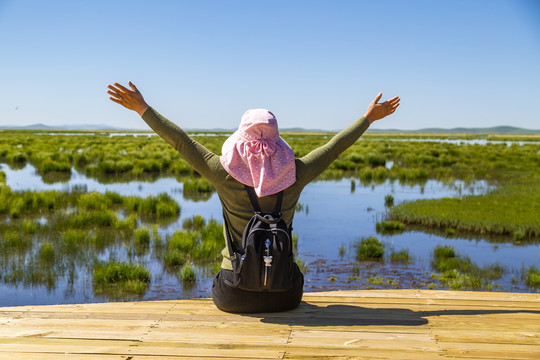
(315, 64)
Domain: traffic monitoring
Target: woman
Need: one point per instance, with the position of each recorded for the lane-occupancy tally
(255, 155)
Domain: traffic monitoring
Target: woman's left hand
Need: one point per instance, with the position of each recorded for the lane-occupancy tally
(376, 111)
(130, 99)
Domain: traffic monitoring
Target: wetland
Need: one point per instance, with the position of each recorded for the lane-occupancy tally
(89, 217)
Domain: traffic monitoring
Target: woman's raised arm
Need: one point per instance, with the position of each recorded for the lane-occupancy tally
(311, 165)
(199, 157)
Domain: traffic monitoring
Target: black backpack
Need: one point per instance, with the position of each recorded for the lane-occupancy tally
(265, 260)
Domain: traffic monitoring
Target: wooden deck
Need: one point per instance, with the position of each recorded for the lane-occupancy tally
(385, 324)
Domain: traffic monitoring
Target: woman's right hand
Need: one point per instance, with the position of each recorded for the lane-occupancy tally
(377, 111)
(130, 99)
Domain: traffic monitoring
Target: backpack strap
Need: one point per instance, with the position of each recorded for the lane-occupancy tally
(230, 245)
(277, 207)
(253, 199)
(255, 204)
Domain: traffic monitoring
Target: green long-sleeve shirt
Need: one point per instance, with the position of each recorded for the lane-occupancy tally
(232, 193)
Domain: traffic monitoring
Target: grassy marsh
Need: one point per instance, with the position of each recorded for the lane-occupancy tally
(460, 273)
(50, 233)
(46, 234)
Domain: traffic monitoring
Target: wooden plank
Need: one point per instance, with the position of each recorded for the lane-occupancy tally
(426, 294)
(491, 335)
(491, 350)
(128, 348)
(359, 339)
(381, 324)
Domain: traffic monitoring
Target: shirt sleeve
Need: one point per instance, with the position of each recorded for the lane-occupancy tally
(199, 157)
(313, 164)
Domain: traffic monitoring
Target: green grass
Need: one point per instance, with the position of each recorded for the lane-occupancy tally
(29, 227)
(142, 240)
(161, 205)
(174, 258)
(47, 253)
(195, 223)
(513, 210)
(401, 256)
(460, 273)
(99, 155)
(376, 280)
(73, 229)
(389, 226)
(532, 278)
(197, 189)
(342, 250)
(118, 280)
(198, 185)
(187, 273)
(200, 247)
(369, 249)
(302, 265)
(184, 241)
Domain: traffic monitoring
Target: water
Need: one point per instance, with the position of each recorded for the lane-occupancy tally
(332, 215)
(460, 141)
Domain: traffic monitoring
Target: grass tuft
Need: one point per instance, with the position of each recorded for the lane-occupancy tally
(119, 280)
(401, 256)
(532, 278)
(389, 226)
(389, 200)
(459, 273)
(187, 273)
(369, 249)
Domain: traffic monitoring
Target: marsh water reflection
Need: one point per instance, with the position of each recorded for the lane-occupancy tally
(331, 215)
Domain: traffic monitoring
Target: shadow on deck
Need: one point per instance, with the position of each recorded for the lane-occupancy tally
(375, 324)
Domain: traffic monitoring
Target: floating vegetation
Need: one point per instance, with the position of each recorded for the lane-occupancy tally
(532, 278)
(389, 226)
(200, 244)
(160, 206)
(302, 265)
(302, 208)
(341, 250)
(142, 240)
(195, 223)
(401, 256)
(174, 258)
(187, 273)
(376, 280)
(47, 253)
(48, 166)
(369, 248)
(459, 273)
(198, 189)
(389, 200)
(198, 185)
(449, 232)
(120, 280)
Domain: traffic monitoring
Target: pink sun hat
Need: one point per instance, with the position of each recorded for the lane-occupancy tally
(257, 156)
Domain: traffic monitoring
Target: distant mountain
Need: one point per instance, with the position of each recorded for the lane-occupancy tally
(91, 127)
(509, 130)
